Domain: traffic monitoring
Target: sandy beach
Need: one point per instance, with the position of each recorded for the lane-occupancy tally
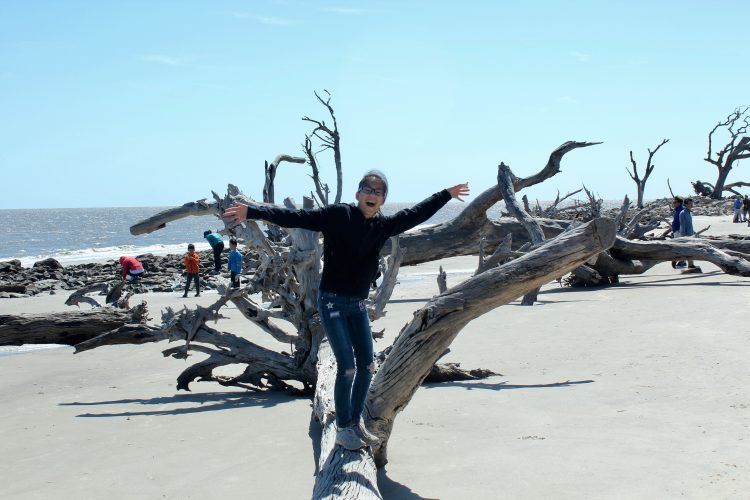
(638, 390)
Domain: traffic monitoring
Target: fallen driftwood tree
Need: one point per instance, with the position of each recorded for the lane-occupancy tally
(689, 248)
(536, 235)
(68, 328)
(421, 342)
(461, 236)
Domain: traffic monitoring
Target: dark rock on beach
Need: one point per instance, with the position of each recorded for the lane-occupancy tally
(162, 274)
(167, 273)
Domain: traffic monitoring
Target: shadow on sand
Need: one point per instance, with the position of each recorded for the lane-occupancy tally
(200, 402)
(392, 490)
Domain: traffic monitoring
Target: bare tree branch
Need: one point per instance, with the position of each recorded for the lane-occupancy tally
(736, 148)
(270, 171)
(641, 183)
(331, 139)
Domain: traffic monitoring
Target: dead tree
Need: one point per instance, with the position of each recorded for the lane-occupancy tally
(641, 182)
(461, 235)
(536, 235)
(551, 211)
(736, 148)
(692, 248)
(68, 328)
(731, 187)
(270, 171)
(424, 340)
(330, 140)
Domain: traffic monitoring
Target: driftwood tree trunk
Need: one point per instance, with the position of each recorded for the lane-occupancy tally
(461, 235)
(682, 248)
(641, 182)
(421, 343)
(270, 170)
(536, 235)
(69, 328)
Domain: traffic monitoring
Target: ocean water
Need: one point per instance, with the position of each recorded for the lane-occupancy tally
(78, 235)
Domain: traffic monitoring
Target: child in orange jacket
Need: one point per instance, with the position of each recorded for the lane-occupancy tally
(192, 260)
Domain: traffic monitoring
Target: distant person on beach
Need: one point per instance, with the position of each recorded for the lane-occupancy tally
(686, 228)
(235, 263)
(745, 209)
(353, 236)
(217, 245)
(131, 268)
(192, 267)
(678, 206)
(737, 207)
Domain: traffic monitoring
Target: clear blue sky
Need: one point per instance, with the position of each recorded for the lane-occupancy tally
(141, 103)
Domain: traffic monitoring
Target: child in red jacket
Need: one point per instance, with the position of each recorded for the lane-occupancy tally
(192, 260)
(131, 267)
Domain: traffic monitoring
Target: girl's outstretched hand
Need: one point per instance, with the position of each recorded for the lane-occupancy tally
(235, 214)
(459, 190)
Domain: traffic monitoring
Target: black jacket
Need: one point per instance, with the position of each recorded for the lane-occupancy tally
(351, 243)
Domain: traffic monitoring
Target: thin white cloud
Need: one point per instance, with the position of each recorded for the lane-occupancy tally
(163, 59)
(567, 99)
(580, 56)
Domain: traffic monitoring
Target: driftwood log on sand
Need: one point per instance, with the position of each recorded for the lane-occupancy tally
(351, 474)
(68, 328)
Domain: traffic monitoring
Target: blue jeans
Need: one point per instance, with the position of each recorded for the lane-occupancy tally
(347, 327)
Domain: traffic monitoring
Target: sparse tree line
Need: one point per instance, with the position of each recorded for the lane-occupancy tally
(732, 132)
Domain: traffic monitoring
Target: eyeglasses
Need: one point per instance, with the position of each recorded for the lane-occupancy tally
(369, 190)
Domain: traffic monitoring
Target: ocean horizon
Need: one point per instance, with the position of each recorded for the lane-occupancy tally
(83, 235)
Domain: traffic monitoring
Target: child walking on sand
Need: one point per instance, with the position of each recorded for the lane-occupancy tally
(192, 261)
(235, 263)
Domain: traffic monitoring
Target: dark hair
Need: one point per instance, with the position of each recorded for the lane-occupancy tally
(232, 241)
(206, 232)
(688, 200)
(191, 246)
(678, 198)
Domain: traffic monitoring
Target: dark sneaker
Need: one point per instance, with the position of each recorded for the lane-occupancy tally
(348, 438)
(184, 295)
(368, 437)
(197, 295)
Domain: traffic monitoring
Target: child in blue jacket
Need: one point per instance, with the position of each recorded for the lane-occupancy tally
(235, 263)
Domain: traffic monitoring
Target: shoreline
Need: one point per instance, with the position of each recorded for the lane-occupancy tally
(97, 254)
